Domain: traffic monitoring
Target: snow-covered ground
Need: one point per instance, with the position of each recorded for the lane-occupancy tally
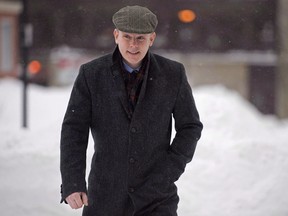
(240, 167)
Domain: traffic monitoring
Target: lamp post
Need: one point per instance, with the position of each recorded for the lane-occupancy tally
(26, 32)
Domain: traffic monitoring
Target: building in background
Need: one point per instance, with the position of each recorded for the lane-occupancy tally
(9, 37)
(219, 25)
(228, 42)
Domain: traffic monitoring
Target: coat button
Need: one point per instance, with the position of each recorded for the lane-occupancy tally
(115, 73)
(131, 190)
(132, 160)
(133, 130)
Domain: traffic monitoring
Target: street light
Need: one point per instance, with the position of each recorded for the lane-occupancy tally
(186, 15)
(26, 41)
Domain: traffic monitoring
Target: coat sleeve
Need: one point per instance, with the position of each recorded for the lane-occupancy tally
(74, 138)
(188, 130)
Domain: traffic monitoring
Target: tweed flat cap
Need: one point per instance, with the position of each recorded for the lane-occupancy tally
(135, 19)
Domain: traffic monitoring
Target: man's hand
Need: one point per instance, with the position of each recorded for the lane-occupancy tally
(77, 200)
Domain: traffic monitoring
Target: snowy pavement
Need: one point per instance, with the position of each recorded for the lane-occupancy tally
(240, 167)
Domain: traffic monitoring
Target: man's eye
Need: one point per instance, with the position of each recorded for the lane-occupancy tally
(141, 38)
(127, 37)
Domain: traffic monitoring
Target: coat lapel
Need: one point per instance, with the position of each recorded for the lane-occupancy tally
(120, 87)
(150, 74)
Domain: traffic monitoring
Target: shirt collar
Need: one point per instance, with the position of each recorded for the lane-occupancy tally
(130, 69)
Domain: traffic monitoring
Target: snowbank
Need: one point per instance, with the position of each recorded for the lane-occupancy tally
(239, 168)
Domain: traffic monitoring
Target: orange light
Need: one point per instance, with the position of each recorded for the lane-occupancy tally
(34, 67)
(186, 16)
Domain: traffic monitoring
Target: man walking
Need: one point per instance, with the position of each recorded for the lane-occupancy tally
(127, 99)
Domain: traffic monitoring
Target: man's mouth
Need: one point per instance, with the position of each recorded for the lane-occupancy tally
(133, 53)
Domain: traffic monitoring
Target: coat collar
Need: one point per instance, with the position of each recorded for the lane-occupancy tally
(119, 82)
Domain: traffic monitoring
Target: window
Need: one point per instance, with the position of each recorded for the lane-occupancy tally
(6, 45)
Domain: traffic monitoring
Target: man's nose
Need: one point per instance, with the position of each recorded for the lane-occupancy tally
(133, 42)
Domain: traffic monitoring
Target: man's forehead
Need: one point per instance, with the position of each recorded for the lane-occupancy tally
(134, 34)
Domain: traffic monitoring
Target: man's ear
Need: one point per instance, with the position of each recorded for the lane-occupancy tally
(116, 34)
(152, 38)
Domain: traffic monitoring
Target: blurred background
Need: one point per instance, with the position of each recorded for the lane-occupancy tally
(236, 57)
(241, 44)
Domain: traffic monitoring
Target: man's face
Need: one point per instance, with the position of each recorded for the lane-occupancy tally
(133, 47)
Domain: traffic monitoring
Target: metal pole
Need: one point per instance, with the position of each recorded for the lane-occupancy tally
(282, 78)
(24, 49)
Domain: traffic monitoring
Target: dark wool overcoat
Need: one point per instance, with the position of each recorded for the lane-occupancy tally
(134, 165)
